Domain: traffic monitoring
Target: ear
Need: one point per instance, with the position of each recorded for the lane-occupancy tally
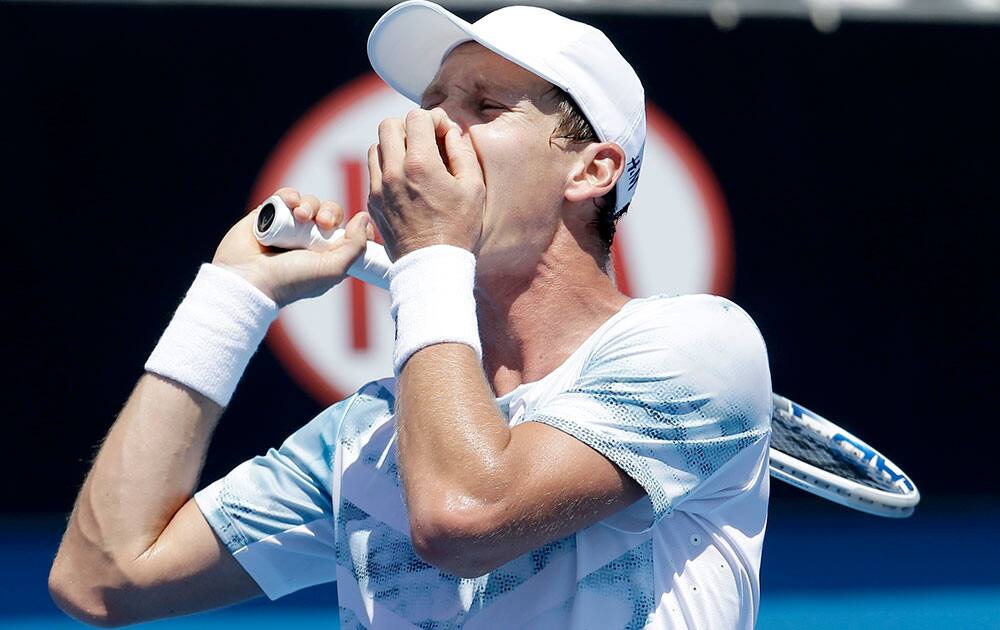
(599, 167)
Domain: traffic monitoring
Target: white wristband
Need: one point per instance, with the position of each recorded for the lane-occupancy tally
(432, 300)
(213, 333)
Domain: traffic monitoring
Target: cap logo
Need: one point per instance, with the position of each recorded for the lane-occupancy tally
(632, 170)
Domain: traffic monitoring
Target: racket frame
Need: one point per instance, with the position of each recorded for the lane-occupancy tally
(834, 487)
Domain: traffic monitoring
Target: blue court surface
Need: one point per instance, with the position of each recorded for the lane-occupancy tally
(824, 568)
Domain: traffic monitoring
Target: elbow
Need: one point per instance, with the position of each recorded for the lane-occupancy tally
(462, 542)
(72, 599)
(77, 596)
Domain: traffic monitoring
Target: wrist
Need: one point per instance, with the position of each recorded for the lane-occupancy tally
(431, 290)
(251, 275)
(406, 246)
(214, 332)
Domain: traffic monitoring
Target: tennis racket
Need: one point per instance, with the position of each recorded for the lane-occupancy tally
(814, 454)
(275, 226)
(807, 450)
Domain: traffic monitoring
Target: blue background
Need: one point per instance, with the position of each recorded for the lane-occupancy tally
(824, 568)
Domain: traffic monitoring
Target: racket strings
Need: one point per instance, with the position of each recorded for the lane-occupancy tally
(795, 440)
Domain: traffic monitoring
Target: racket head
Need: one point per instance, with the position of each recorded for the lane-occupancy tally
(812, 453)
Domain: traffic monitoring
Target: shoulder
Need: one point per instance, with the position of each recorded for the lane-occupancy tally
(667, 310)
(688, 325)
(684, 346)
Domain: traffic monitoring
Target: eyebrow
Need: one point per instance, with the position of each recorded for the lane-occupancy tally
(478, 87)
(431, 92)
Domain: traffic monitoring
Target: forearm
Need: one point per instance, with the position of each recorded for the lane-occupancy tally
(151, 460)
(453, 440)
(452, 436)
(136, 546)
(146, 469)
(479, 494)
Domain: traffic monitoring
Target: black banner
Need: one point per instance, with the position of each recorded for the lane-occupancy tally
(859, 169)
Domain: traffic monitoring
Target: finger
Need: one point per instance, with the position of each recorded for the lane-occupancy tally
(356, 230)
(250, 217)
(374, 172)
(348, 249)
(289, 195)
(307, 208)
(421, 140)
(392, 145)
(462, 159)
(442, 123)
(330, 215)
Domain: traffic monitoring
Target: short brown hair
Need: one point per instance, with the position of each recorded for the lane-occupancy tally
(574, 127)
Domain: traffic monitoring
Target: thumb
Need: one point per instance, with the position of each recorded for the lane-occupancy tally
(356, 230)
(352, 246)
(462, 159)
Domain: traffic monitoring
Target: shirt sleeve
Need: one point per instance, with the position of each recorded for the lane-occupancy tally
(274, 512)
(671, 393)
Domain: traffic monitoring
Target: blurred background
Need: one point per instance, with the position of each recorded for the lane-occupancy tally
(831, 166)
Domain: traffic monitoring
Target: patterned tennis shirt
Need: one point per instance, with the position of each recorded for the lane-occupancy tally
(675, 391)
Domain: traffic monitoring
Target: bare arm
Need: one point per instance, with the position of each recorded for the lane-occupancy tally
(136, 546)
(135, 527)
(479, 494)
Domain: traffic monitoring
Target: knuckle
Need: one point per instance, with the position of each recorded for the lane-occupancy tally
(439, 115)
(390, 175)
(389, 124)
(416, 115)
(413, 165)
(289, 195)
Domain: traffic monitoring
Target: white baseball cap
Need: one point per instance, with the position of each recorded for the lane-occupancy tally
(408, 44)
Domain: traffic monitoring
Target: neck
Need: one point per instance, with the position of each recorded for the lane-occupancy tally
(530, 321)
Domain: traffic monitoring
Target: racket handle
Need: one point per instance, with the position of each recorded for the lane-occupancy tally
(276, 227)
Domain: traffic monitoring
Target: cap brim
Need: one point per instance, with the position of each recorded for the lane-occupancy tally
(408, 44)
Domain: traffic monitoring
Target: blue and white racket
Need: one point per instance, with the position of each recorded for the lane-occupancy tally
(814, 454)
(807, 450)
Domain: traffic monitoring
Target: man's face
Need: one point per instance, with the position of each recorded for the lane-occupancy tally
(510, 115)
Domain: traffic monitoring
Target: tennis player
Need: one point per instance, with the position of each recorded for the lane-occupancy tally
(548, 454)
